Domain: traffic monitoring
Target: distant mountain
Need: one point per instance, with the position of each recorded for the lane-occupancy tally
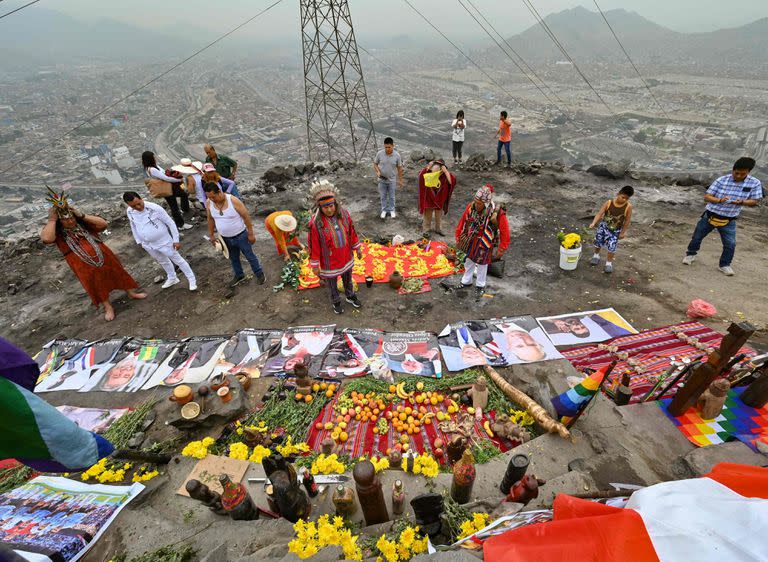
(588, 39)
(40, 36)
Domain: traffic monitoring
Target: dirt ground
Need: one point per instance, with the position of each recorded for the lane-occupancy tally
(649, 286)
(40, 299)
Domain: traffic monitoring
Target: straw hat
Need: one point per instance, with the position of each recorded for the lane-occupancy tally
(219, 244)
(286, 223)
(187, 166)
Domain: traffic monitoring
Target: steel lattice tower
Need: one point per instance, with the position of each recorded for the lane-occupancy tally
(338, 114)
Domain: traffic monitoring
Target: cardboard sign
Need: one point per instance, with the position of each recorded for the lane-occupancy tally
(207, 471)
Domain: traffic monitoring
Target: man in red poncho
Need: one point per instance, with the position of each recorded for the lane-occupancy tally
(482, 226)
(436, 185)
(96, 267)
(332, 239)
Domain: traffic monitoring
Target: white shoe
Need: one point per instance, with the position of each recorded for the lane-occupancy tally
(383, 215)
(170, 283)
(186, 226)
(393, 214)
(688, 260)
(192, 286)
(727, 270)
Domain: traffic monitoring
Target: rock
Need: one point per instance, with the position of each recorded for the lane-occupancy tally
(611, 170)
(218, 554)
(417, 156)
(267, 533)
(318, 169)
(158, 279)
(476, 162)
(700, 461)
(279, 174)
(136, 440)
(686, 181)
(216, 412)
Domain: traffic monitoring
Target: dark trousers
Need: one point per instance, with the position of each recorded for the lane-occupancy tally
(505, 144)
(235, 245)
(173, 204)
(333, 290)
(727, 236)
(457, 145)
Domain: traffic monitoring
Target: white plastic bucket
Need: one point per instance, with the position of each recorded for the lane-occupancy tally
(569, 259)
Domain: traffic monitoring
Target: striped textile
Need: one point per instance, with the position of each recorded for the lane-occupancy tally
(736, 421)
(653, 349)
(363, 441)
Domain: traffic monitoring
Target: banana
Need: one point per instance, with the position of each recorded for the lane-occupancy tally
(453, 403)
(487, 428)
(401, 392)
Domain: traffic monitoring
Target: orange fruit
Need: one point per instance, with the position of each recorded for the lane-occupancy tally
(328, 394)
(308, 398)
(405, 446)
(428, 421)
(335, 435)
(318, 426)
(299, 396)
(375, 430)
(332, 387)
(374, 419)
(392, 388)
(343, 436)
(408, 410)
(323, 386)
(433, 400)
(402, 416)
(389, 451)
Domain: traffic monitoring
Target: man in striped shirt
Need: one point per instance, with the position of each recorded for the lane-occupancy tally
(725, 198)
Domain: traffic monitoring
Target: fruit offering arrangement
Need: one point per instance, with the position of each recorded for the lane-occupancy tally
(421, 420)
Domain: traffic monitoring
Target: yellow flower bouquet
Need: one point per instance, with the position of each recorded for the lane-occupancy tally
(570, 240)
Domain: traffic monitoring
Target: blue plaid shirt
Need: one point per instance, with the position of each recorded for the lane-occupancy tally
(724, 186)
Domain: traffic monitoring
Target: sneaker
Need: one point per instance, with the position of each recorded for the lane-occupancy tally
(236, 281)
(185, 226)
(688, 260)
(727, 270)
(455, 161)
(594, 261)
(193, 286)
(170, 283)
(383, 215)
(353, 300)
(608, 268)
(393, 214)
(260, 278)
(337, 308)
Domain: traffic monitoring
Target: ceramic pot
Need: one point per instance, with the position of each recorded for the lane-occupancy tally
(181, 394)
(395, 280)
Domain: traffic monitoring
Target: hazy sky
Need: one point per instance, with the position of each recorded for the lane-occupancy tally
(376, 18)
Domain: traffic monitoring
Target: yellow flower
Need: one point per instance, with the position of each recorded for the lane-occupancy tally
(380, 464)
(238, 451)
(198, 449)
(571, 240)
(259, 452)
(473, 525)
(329, 464)
(290, 449)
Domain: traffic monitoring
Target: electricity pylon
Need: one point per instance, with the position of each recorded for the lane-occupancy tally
(339, 122)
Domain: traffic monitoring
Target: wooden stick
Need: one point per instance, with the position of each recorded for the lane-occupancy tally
(522, 399)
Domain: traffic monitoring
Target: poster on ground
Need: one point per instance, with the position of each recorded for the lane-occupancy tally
(191, 362)
(413, 353)
(112, 376)
(468, 344)
(54, 353)
(300, 344)
(93, 419)
(51, 518)
(76, 372)
(247, 352)
(351, 352)
(149, 357)
(578, 328)
(521, 340)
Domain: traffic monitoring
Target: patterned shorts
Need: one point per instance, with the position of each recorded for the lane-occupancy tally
(606, 238)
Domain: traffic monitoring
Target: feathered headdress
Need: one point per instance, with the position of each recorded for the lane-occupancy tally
(59, 202)
(323, 193)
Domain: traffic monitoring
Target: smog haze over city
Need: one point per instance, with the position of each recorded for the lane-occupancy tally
(693, 95)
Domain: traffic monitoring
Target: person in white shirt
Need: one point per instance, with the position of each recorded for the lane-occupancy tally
(458, 125)
(153, 171)
(156, 232)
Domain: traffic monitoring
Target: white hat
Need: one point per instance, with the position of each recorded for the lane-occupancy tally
(286, 223)
(220, 245)
(186, 166)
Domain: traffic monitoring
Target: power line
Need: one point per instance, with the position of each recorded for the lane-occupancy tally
(520, 68)
(148, 83)
(6, 14)
(630, 59)
(381, 62)
(550, 33)
(466, 56)
(518, 55)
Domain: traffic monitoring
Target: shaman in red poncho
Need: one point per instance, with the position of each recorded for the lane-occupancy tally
(435, 199)
(331, 243)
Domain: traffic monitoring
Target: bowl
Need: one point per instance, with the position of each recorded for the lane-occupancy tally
(190, 410)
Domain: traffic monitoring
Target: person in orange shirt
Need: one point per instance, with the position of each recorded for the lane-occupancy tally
(504, 135)
(282, 226)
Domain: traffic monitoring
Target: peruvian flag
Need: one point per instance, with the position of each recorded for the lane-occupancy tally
(722, 517)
